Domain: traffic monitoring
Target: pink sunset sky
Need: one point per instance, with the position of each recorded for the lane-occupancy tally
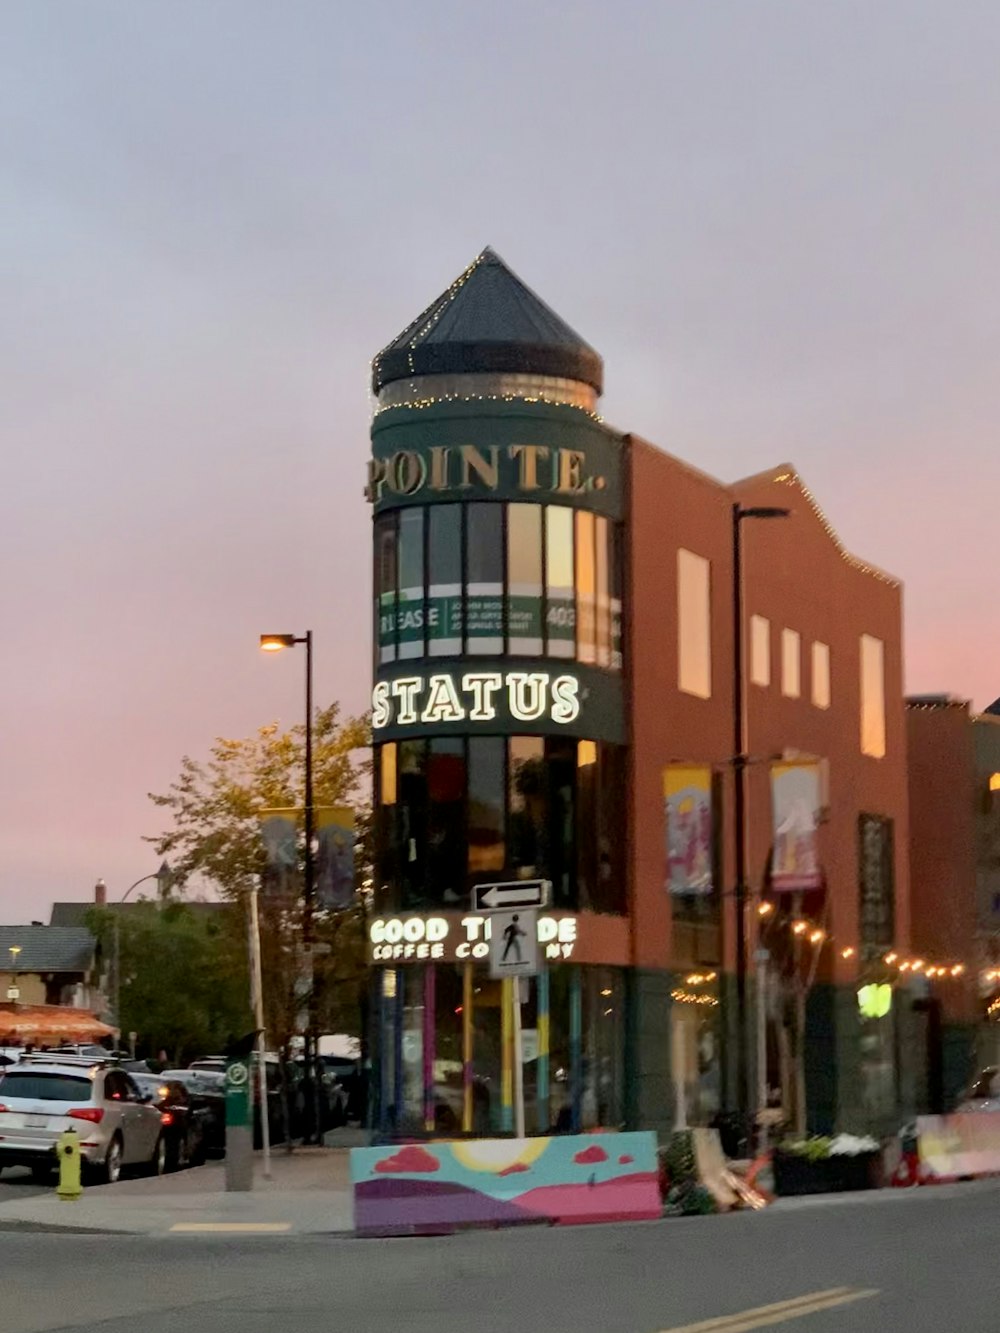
(776, 221)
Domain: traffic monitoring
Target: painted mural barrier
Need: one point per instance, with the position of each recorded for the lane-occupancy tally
(430, 1188)
(951, 1147)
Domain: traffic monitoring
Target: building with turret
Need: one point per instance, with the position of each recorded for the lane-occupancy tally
(575, 682)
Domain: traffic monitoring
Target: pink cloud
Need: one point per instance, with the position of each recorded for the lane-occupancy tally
(410, 1158)
(625, 1159)
(589, 1156)
(514, 1169)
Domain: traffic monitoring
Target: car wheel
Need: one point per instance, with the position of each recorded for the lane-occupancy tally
(158, 1162)
(41, 1174)
(113, 1162)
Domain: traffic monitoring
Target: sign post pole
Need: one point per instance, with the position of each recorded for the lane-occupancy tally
(515, 999)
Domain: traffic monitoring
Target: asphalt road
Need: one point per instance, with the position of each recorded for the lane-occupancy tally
(931, 1261)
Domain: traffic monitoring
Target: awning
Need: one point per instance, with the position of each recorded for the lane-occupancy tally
(48, 1025)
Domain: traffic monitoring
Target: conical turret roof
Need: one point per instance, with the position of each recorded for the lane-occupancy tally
(488, 321)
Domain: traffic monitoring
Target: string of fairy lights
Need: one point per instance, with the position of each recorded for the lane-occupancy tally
(902, 962)
(421, 404)
(900, 965)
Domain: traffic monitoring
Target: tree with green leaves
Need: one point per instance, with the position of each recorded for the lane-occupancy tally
(184, 987)
(215, 808)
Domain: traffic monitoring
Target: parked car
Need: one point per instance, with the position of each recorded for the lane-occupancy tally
(984, 1095)
(184, 1121)
(217, 1062)
(40, 1100)
(207, 1091)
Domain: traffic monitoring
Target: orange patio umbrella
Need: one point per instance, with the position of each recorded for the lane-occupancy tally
(48, 1025)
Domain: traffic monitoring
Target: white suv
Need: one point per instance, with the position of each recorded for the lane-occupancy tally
(117, 1126)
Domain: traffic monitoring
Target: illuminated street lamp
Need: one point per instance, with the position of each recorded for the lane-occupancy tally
(741, 758)
(13, 992)
(274, 643)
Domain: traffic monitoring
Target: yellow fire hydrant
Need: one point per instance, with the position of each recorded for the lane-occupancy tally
(68, 1151)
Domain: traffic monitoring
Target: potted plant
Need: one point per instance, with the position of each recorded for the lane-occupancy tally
(820, 1165)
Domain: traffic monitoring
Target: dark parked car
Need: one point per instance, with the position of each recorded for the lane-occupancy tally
(207, 1092)
(184, 1118)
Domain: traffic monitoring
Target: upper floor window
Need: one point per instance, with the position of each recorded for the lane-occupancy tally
(791, 664)
(488, 578)
(760, 650)
(821, 675)
(454, 811)
(872, 696)
(694, 628)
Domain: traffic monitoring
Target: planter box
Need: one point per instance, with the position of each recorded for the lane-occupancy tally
(831, 1175)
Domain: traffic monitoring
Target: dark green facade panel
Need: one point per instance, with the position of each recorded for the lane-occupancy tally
(497, 696)
(495, 450)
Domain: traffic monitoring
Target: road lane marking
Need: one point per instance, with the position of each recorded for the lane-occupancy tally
(231, 1226)
(779, 1313)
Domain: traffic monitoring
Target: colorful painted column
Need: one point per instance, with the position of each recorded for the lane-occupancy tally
(384, 1040)
(399, 1018)
(467, 1030)
(542, 996)
(430, 1052)
(506, 1056)
(576, 1048)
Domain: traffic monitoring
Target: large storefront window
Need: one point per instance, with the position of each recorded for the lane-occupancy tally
(446, 1045)
(454, 811)
(489, 578)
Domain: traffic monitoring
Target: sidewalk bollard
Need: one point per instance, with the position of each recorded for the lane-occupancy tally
(68, 1149)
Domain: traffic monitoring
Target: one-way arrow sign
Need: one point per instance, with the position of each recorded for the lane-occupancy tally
(515, 893)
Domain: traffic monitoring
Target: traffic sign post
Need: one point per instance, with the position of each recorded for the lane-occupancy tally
(512, 910)
(511, 894)
(513, 943)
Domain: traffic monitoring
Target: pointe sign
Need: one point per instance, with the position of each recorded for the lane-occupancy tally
(475, 696)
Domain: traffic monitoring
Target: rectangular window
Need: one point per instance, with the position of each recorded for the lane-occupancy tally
(385, 586)
(615, 580)
(524, 579)
(526, 835)
(586, 588)
(486, 803)
(560, 610)
(821, 675)
(387, 774)
(760, 650)
(791, 664)
(694, 626)
(412, 822)
(872, 697)
(602, 537)
(410, 611)
(444, 579)
(876, 877)
(484, 578)
(446, 821)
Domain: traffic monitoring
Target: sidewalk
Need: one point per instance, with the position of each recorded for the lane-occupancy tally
(309, 1192)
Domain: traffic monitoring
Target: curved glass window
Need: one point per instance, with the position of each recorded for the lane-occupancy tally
(456, 811)
(488, 578)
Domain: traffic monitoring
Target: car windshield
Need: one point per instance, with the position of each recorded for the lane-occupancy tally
(146, 1082)
(46, 1087)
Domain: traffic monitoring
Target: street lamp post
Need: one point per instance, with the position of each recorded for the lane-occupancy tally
(162, 877)
(744, 1097)
(13, 991)
(274, 643)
